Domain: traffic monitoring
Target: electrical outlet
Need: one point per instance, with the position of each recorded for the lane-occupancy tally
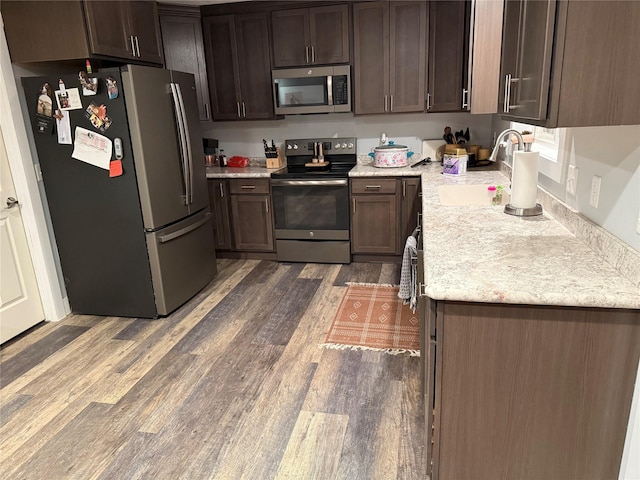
(572, 180)
(596, 182)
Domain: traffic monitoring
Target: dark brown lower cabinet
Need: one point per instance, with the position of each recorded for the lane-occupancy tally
(374, 216)
(251, 215)
(527, 392)
(384, 211)
(221, 208)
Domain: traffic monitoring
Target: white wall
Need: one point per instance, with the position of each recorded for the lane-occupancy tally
(245, 138)
(612, 153)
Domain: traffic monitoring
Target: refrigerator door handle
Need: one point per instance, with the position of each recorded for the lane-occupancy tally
(182, 140)
(183, 231)
(185, 127)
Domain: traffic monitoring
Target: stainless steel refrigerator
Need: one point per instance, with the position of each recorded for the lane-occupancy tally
(139, 244)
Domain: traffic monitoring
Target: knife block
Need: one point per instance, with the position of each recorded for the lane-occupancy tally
(275, 159)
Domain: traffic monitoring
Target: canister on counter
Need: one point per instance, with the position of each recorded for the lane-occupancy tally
(455, 164)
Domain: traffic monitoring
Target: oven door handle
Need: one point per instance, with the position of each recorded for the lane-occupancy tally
(305, 183)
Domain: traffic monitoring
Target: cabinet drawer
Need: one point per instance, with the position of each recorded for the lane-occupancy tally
(249, 185)
(373, 185)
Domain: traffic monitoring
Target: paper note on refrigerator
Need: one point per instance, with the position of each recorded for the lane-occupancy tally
(64, 127)
(92, 148)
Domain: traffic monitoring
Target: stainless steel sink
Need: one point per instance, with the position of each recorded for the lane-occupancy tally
(468, 195)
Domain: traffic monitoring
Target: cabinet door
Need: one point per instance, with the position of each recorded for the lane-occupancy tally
(184, 51)
(371, 57)
(407, 56)
(410, 206)
(534, 61)
(329, 34)
(254, 66)
(291, 44)
(526, 70)
(108, 29)
(252, 222)
(220, 207)
(222, 72)
(448, 50)
(374, 224)
(144, 26)
(509, 59)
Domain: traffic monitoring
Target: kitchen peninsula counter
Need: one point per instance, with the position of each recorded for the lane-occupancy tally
(481, 254)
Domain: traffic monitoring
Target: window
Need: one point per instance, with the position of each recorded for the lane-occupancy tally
(553, 147)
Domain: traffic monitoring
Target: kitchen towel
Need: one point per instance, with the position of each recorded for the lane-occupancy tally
(408, 274)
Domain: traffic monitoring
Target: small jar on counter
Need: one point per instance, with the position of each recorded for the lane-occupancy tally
(222, 159)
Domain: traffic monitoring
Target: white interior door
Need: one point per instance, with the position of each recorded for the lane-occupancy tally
(20, 304)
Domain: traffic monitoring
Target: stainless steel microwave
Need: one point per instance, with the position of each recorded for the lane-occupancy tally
(312, 90)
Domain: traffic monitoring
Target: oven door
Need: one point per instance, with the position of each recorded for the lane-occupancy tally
(311, 209)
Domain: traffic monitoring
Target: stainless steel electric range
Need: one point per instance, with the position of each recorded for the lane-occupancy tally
(311, 200)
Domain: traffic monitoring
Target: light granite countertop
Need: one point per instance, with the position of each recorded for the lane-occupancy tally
(246, 172)
(481, 254)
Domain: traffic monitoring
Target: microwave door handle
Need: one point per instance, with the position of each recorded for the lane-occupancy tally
(181, 141)
(330, 89)
(185, 129)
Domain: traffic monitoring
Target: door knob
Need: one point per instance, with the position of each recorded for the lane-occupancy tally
(11, 202)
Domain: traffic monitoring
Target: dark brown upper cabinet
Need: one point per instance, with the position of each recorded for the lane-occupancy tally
(526, 58)
(568, 64)
(447, 89)
(310, 36)
(239, 66)
(390, 41)
(123, 31)
(184, 49)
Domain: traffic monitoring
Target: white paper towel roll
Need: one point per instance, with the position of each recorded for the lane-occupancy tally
(524, 179)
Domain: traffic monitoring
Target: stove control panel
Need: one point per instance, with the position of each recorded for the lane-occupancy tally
(335, 146)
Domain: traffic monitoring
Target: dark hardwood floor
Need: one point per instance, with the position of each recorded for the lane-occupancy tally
(233, 385)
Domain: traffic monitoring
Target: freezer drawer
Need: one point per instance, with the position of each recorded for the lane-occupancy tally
(182, 259)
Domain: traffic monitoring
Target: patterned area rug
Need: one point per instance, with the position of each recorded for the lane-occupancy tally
(372, 317)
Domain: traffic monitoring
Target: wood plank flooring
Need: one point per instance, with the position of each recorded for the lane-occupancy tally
(231, 386)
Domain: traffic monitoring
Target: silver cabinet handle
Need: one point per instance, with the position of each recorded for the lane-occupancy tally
(244, 111)
(465, 104)
(372, 187)
(206, 111)
(133, 46)
(404, 188)
(221, 190)
(266, 202)
(306, 53)
(507, 92)
(238, 107)
(354, 205)
(247, 187)
(137, 46)
(428, 101)
(313, 54)
(391, 103)
(385, 103)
